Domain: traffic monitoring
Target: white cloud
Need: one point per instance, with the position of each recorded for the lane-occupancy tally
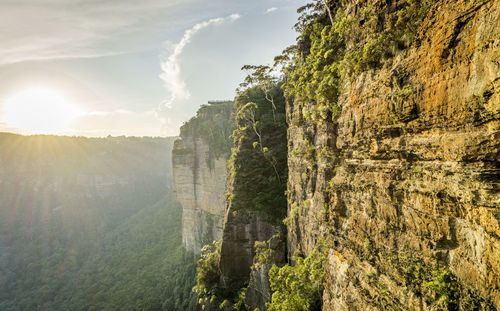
(54, 29)
(271, 10)
(209, 64)
(171, 68)
(205, 61)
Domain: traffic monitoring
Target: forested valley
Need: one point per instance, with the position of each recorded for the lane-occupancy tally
(90, 224)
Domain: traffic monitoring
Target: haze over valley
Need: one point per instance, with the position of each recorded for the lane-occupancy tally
(267, 155)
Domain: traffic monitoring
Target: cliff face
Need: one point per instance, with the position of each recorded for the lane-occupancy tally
(256, 184)
(404, 183)
(255, 207)
(200, 190)
(393, 114)
(199, 167)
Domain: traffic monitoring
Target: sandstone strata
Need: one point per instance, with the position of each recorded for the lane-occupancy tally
(257, 204)
(413, 181)
(200, 190)
(200, 174)
(402, 183)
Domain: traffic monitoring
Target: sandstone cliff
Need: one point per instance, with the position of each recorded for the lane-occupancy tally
(255, 207)
(199, 167)
(393, 114)
(256, 184)
(403, 183)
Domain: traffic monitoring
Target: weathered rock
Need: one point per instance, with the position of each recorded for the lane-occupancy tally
(259, 292)
(256, 184)
(200, 190)
(408, 182)
(241, 230)
(200, 175)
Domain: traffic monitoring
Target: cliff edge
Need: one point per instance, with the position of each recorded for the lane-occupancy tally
(199, 167)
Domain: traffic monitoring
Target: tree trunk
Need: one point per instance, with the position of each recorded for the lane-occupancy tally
(328, 10)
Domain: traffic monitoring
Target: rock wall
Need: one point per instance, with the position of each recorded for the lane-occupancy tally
(257, 204)
(402, 186)
(241, 231)
(199, 167)
(199, 187)
(393, 114)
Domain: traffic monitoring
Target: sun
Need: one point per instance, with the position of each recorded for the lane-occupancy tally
(39, 110)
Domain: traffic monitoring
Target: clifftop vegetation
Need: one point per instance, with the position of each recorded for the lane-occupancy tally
(214, 123)
(258, 161)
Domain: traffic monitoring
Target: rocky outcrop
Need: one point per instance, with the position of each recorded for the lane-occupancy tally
(393, 114)
(404, 183)
(272, 252)
(256, 203)
(200, 190)
(241, 231)
(199, 167)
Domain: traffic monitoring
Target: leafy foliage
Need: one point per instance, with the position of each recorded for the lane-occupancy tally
(257, 174)
(334, 48)
(445, 286)
(207, 272)
(438, 286)
(214, 123)
(299, 287)
(390, 32)
(262, 253)
(317, 78)
(258, 162)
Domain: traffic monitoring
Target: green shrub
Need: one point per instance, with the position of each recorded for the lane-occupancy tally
(208, 274)
(214, 123)
(299, 287)
(262, 254)
(258, 163)
(329, 53)
(444, 285)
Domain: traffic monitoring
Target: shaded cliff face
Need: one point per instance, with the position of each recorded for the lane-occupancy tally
(199, 167)
(257, 204)
(403, 183)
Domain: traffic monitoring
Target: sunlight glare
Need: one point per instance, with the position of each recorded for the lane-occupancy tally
(39, 110)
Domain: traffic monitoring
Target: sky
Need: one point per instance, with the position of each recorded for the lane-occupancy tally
(135, 68)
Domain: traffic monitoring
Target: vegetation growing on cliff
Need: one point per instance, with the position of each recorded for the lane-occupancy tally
(208, 274)
(341, 46)
(436, 285)
(331, 47)
(299, 287)
(331, 51)
(258, 161)
(214, 123)
(334, 47)
(257, 175)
